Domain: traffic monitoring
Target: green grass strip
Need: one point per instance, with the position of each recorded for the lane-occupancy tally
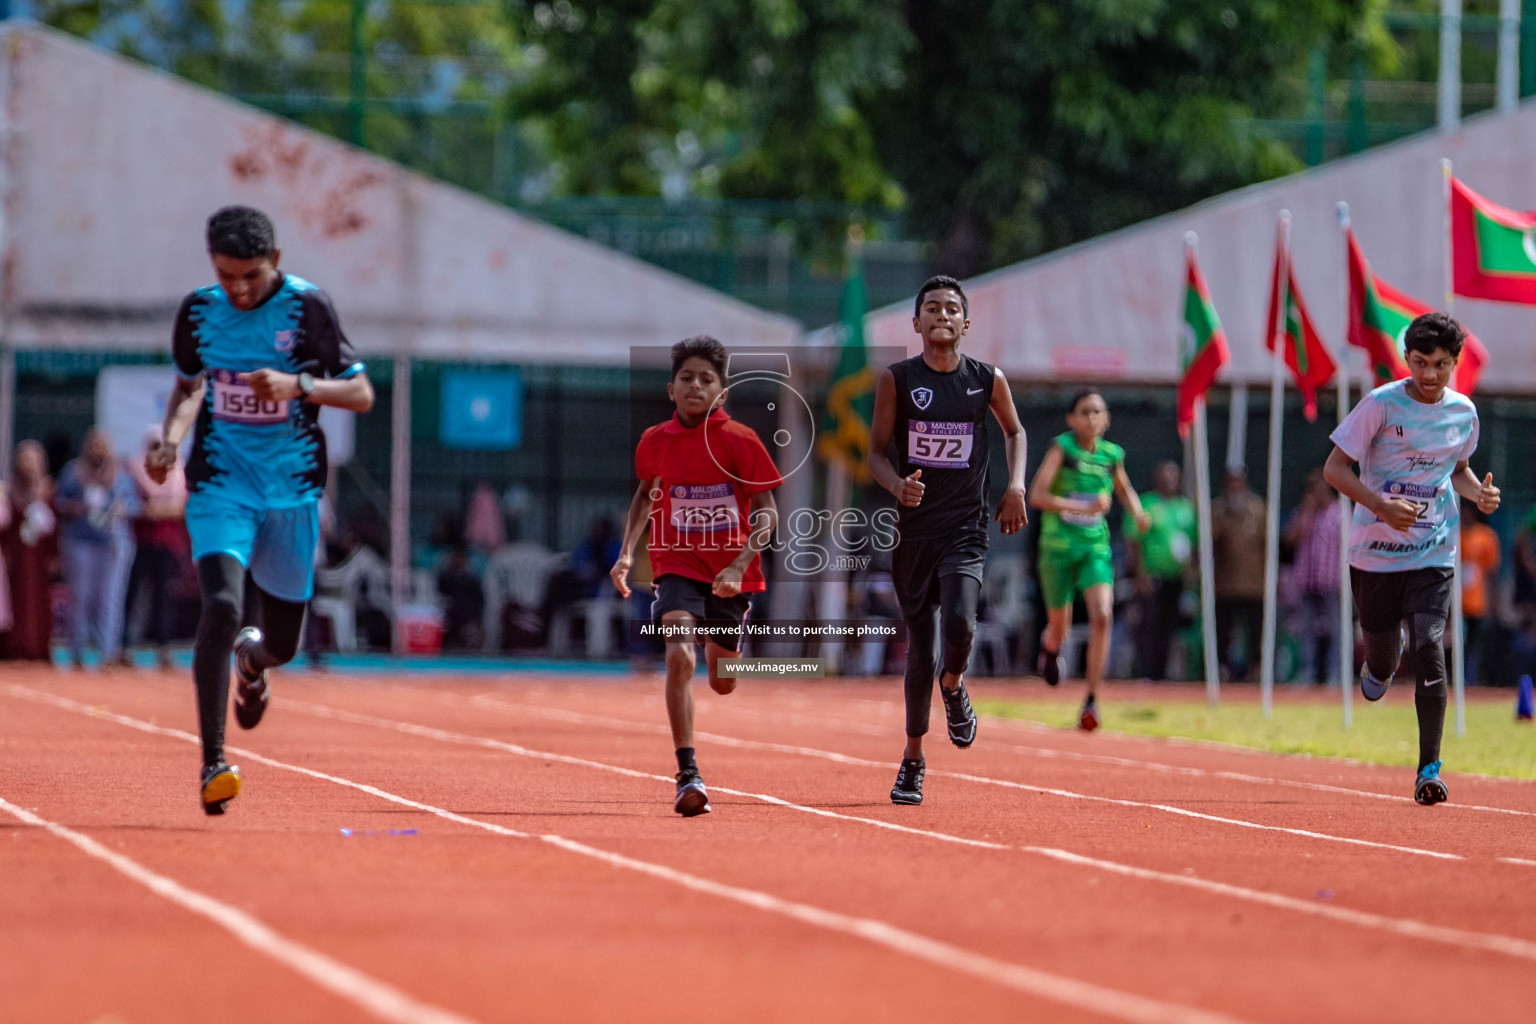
(1385, 733)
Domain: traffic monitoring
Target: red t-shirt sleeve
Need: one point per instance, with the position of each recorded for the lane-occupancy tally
(754, 466)
(646, 462)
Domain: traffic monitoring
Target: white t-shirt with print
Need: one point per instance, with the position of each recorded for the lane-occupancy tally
(1408, 449)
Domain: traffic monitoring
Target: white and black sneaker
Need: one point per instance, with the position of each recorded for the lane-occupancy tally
(692, 798)
(958, 714)
(909, 782)
(251, 693)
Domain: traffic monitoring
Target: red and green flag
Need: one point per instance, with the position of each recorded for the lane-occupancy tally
(1493, 249)
(851, 400)
(1203, 351)
(1379, 316)
(1308, 359)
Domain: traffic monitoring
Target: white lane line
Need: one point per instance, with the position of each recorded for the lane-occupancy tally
(1071, 992)
(429, 732)
(1519, 860)
(1407, 927)
(376, 997)
(1157, 766)
(829, 755)
(1508, 945)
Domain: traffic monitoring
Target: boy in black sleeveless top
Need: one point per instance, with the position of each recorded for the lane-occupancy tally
(935, 408)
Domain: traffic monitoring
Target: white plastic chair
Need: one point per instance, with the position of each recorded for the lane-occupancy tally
(1003, 589)
(337, 590)
(517, 573)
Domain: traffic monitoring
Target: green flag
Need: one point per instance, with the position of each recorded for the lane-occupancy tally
(851, 399)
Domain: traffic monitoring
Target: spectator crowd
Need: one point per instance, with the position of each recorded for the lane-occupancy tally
(97, 557)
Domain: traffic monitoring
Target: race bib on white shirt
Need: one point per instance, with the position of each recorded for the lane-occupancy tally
(704, 508)
(1422, 497)
(234, 401)
(940, 444)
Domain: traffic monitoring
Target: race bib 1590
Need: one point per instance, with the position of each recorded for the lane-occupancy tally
(1422, 497)
(235, 402)
(702, 508)
(944, 445)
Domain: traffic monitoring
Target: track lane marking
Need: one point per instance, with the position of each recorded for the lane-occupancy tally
(367, 993)
(834, 756)
(1407, 927)
(1056, 753)
(1067, 991)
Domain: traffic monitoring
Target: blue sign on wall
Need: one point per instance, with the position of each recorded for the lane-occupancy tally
(481, 411)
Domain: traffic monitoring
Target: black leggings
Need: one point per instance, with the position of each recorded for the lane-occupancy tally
(956, 618)
(1426, 656)
(281, 622)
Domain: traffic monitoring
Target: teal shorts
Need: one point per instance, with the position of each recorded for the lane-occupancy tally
(1065, 574)
(276, 545)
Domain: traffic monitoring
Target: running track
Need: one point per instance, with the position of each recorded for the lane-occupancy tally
(1049, 876)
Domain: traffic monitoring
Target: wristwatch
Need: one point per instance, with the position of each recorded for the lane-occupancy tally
(306, 386)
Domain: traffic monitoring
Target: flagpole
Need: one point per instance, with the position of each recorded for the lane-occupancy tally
(1346, 611)
(1458, 627)
(1272, 495)
(1203, 519)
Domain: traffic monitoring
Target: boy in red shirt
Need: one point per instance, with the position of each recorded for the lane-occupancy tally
(706, 491)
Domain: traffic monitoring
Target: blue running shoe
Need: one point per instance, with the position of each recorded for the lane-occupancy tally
(1372, 688)
(1429, 789)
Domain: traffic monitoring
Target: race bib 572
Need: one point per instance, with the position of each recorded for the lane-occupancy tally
(938, 443)
(1423, 497)
(235, 402)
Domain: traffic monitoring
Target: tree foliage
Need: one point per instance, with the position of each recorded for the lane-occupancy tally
(1002, 128)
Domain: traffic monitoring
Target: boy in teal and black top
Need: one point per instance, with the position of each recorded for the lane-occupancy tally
(1074, 487)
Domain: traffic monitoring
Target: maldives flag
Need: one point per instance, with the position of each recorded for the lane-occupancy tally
(1306, 356)
(1493, 249)
(1203, 349)
(1379, 316)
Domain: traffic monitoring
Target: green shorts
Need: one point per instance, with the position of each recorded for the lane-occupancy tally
(1064, 574)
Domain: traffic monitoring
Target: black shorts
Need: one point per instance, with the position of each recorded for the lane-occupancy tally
(1385, 599)
(918, 562)
(724, 615)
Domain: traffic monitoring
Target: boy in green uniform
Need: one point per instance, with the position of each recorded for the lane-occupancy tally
(1073, 487)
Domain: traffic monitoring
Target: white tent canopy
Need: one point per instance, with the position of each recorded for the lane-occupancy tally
(1111, 308)
(113, 168)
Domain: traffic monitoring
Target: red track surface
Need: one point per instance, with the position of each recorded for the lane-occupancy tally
(1336, 909)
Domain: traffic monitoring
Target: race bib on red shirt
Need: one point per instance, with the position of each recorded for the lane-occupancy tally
(703, 508)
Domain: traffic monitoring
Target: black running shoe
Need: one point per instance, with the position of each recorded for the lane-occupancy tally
(1429, 789)
(1088, 717)
(1372, 688)
(220, 784)
(692, 798)
(909, 782)
(251, 692)
(959, 716)
(1050, 666)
